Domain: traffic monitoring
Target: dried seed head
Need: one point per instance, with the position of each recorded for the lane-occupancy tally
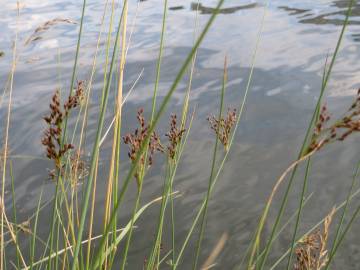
(311, 253)
(174, 135)
(223, 126)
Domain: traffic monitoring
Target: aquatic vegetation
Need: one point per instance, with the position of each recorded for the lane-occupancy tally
(75, 239)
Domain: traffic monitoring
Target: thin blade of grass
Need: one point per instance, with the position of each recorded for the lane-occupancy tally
(213, 162)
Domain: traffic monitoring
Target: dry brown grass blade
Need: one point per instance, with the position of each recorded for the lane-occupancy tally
(11, 231)
(209, 263)
(6, 143)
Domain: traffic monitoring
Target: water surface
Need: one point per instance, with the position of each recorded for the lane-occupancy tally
(297, 38)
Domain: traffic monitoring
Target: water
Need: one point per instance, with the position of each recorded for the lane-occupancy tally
(296, 40)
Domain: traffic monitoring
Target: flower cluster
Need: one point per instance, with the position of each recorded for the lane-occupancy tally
(52, 139)
(339, 130)
(311, 253)
(75, 100)
(223, 126)
(135, 141)
(53, 135)
(174, 135)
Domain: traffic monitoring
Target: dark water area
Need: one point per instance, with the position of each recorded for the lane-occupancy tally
(297, 37)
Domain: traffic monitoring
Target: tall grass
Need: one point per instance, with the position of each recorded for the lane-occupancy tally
(72, 241)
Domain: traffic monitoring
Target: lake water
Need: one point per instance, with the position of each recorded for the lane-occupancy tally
(296, 39)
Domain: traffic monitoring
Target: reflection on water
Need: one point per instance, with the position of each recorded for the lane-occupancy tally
(294, 11)
(210, 10)
(176, 7)
(333, 18)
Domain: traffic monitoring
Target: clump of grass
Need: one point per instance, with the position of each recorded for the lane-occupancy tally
(223, 126)
(143, 144)
(311, 253)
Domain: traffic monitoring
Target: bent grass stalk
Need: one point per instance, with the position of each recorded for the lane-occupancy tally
(284, 201)
(307, 170)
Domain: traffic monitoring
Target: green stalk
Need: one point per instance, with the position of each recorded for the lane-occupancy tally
(183, 124)
(114, 161)
(158, 65)
(14, 212)
(241, 110)
(156, 119)
(167, 190)
(137, 203)
(166, 187)
(287, 223)
(33, 239)
(285, 198)
(53, 223)
(207, 198)
(95, 152)
(297, 222)
(342, 218)
(342, 236)
(65, 123)
(305, 179)
(273, 267)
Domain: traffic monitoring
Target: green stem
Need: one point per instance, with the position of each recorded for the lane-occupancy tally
(285, 198)
(95, 153)
(213, 162)
(298, 217)
(154, 123)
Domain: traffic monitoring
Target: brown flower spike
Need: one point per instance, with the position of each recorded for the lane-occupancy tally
(338, 131)
(174, 135)
(53, 135)
(135, 141)
(223, 126)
